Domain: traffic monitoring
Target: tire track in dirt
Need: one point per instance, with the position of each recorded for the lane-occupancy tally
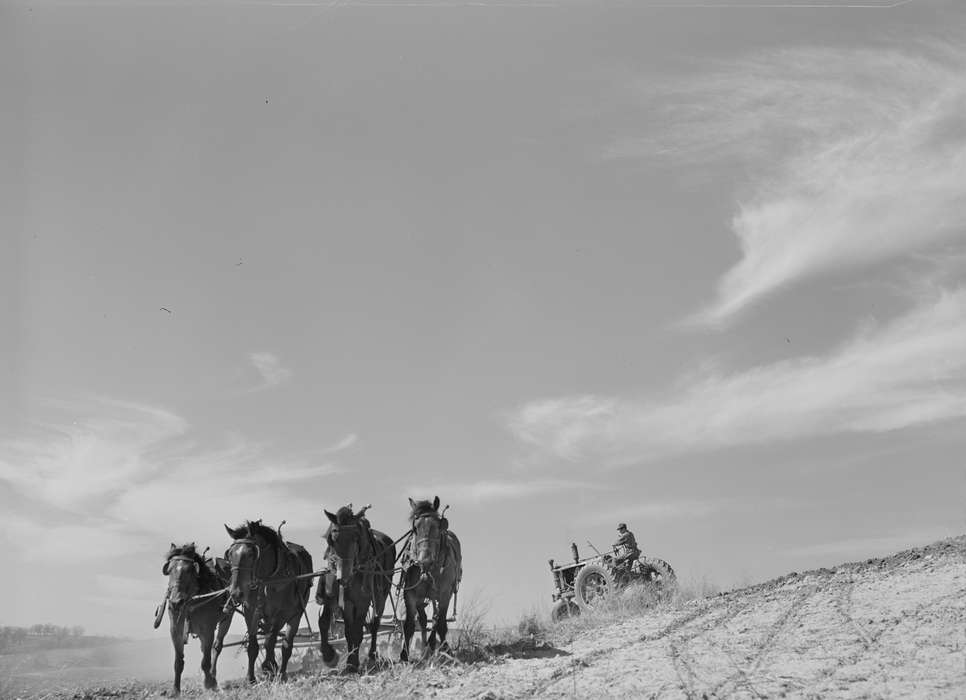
(741, 676)
(671, 628)
(844, 604)
(870, 638)
(677, 647)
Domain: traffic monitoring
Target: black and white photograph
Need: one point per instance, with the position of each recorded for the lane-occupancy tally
(482, 349)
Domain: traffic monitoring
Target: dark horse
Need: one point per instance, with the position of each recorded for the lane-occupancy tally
(361, 562)
(190, 578)
(263, 568)
(432, 570)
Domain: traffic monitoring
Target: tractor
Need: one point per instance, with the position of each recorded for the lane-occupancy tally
(585, 583)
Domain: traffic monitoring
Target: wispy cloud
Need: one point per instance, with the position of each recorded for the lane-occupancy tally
(657, 510)
(485, 491)
(125, 477)
(343, 444)
(854, 157)
(82, 460)
(270, 370)
(909, 372)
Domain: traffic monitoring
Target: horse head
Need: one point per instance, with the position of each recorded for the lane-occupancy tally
(243, 556)
(182, 566)
(427, 529)
(346, 538)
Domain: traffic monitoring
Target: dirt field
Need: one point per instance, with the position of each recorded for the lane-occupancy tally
(891, 627)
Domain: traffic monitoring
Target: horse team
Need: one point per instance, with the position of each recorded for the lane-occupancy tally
(268, 581)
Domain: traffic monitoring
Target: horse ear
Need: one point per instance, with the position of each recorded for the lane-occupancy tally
(233, 533)
(436, 503)
(174, 546)
(412, 504)
(332, 519)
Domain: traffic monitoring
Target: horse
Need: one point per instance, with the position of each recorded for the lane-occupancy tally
(190, 576)
(263, 567)
(361, 562)
(432, 570)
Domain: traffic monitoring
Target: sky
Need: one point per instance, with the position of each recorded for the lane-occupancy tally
(698, 267)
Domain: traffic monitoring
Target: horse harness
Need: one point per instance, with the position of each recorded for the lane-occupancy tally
(181, 557)
(255, 582)
(442, 551)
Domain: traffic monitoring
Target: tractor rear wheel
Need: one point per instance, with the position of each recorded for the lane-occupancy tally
(592, 586)
(661, 577)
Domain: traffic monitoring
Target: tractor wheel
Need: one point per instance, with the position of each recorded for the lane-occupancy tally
(563, 609)
(592, 586)
(661, 576)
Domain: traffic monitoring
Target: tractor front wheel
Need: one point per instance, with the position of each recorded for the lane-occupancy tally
(563, 609)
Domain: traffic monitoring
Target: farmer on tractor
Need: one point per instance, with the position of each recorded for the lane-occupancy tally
(629, 551)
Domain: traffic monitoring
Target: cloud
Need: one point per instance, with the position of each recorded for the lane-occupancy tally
(658, 510)
(270, 370)
(77, 462)
(855, 157)
(486, 491)
(909, 372)
(343, 444)
(129, 478)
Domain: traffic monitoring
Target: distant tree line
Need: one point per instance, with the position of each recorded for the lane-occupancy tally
(12, 637)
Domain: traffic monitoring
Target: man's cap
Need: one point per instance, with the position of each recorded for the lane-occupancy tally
(622, 526)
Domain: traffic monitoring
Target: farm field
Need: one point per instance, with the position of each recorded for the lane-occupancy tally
(886, 627)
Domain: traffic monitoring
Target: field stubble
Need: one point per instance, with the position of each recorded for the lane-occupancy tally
(889, 627)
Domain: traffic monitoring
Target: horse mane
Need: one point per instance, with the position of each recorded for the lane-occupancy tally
(185, 550)
(421, 508)
(345, 516)
(254, 528)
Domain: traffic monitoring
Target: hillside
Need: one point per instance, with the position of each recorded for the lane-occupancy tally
(888, 627)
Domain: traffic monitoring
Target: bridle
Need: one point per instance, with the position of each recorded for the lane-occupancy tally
(181, 607)
(355, 557)
(235, 568)
(434, 542)
(181, 557)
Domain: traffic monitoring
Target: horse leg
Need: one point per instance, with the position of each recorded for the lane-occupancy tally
(269, 665)
(374, 631)
(224, 623)
(288, 643)
(409, 624)
(177, 640)
(206, 636)
(421, 611)
(440, 626)
(329, 655)
(354, 619)
(252, 645)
